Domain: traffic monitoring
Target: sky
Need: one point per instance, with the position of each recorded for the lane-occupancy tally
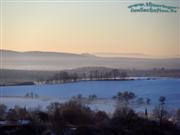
(100, 27)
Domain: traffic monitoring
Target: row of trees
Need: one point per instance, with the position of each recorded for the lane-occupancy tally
(31, 95)
(64, 76)
(113, 74)
(129, 97)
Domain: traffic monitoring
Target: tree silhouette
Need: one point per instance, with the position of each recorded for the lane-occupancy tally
(160, 111)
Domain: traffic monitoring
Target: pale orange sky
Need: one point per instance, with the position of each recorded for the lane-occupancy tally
(89, 27)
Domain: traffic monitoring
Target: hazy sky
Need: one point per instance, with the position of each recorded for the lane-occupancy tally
(80, 27)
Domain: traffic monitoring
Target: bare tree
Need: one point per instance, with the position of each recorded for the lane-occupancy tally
(160, 111)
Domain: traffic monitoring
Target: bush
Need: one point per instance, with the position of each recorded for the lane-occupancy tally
(75, 113)
(17, 113)
(101, 118)
(70, 113)
(124, 116)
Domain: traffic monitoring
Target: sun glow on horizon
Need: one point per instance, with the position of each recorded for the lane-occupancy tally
(80, 28)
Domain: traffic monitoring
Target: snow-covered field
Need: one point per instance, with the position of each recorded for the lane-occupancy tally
(105, 90)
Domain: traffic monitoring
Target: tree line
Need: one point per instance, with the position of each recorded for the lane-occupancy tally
(65, 76)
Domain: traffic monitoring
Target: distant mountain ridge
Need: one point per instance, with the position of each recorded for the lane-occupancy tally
(9, 52)
(37, 60)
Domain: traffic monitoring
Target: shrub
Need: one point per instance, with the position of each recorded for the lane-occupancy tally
(101, 118)
(75, 113)
(124, 116)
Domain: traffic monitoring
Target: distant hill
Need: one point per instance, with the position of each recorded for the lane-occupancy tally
(36, 60)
